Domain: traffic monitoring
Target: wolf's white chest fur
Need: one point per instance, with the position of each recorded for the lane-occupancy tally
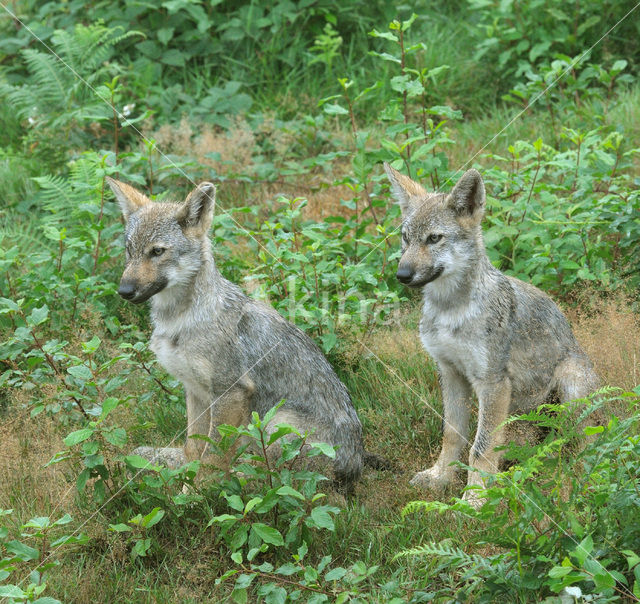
(180, 359)
(447, 336)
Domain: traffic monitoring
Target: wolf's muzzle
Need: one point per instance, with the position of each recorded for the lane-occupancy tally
(127, 290)
(405, 274)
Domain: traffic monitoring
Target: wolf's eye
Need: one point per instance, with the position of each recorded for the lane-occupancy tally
(157, 251)
(405, 239)
(433, 238)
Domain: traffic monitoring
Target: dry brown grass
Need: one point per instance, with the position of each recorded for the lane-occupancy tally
(25, 484)
(610, 334)
(222, 150)
(233, 151)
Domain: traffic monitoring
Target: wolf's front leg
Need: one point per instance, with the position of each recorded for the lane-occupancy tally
(494, 403)
(456, 400)
(198, 422)
(206, 413)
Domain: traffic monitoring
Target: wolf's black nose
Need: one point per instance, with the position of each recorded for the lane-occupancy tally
(127, 290)
(404, 274)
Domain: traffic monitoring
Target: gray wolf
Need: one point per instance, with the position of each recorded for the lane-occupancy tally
(234, 355)
(490, 334)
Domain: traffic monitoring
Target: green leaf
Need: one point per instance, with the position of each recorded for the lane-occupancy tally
(108, 405)
(237, 557)
(239, 595)
(173, 57)
(280, 431)
(267, 533)
(322, 449)
(38, 316)
(558, 572)
(92, 345)
(287, 569)
(12, 591)
(277, 595)
(604, 581)
(632, 557)
(70, 540)
(239, 537)
(583, 550)
(335, 574)
(66, 519)
(117, 437)
(78, 436)
(153, 517)
(221, 518)
(120, 528)
(253, 502)
(40, 522)
(589, 430)
(287, 490)
(140, 463)
(235, 502)
(7, 306)
(141, 547)
(321, 518)
(335, 109)
(387, 35)
(81, 372)
(81, 481)
(164, 34)
(22, 551)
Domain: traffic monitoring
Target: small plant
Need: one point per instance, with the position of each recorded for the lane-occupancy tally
(38, 547)
(274, 511)
(565, 84)
(558, 518)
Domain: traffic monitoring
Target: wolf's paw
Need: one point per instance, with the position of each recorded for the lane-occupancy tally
(431, 480)
(473, 499)
(170, 457)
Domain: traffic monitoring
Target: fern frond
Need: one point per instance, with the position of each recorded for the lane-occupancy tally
(51, 78)
(492, 565)
(14, 229)
(58, 196)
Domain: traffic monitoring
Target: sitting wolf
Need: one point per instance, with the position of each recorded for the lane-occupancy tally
(490, 334)
(233, 354)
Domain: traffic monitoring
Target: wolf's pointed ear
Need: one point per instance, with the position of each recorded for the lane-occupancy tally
(406, 191)
(467, 197)
(197, 210)
(130, 199)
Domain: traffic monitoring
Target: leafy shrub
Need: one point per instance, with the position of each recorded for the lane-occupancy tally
(551, 210)
(521, 34)
(38, 546)
(61, 96)
(325, 276)
(556, 518)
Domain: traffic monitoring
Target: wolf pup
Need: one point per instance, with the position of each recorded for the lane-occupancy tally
(234, 355)
(490, 334)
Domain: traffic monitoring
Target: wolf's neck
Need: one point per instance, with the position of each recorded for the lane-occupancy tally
(197, 295)
(462, 287)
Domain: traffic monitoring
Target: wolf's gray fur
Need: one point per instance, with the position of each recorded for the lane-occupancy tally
(234, 355)
(490, 334)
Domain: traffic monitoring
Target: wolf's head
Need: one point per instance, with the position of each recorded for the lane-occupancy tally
(164, 242)
(441, 233)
